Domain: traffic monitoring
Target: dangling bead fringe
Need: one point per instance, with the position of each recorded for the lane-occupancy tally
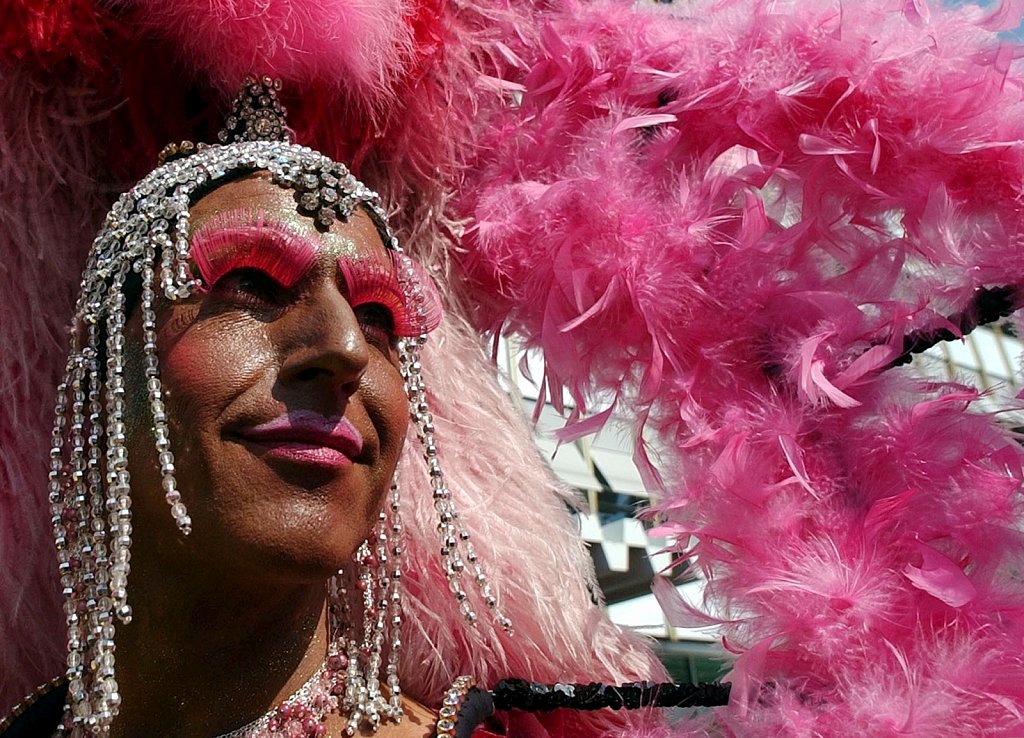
(379, 583)
(89, 482)
(456, 547)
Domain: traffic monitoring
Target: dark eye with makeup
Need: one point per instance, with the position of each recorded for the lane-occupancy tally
(389, 283)
(377, 323)
(251, 288)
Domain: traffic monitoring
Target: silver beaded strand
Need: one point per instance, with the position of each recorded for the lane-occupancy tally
(456, 546)
(394, 599)
(161, 433)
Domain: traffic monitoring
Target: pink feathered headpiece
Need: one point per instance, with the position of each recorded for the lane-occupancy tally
(728, 218)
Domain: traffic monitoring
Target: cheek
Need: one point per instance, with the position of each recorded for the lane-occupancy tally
(208, 367)
(385, 398)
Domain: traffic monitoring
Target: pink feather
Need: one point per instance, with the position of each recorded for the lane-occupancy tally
(726, 215)
(352, 46)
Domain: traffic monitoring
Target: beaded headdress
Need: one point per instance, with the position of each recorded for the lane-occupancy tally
(146, 238)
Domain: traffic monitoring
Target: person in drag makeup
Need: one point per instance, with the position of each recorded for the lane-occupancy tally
(277, 339)
(223, 485)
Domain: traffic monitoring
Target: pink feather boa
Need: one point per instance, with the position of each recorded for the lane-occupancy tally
(727, 219)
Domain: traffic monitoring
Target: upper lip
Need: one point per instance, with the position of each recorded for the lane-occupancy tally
(308, 427)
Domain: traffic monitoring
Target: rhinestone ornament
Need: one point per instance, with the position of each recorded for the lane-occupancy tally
(451, 704)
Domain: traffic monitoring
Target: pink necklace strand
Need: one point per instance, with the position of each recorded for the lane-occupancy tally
(302, 715)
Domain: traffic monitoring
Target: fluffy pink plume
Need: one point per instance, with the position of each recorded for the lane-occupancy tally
(359, 47)
(727, 218)
(540, 568)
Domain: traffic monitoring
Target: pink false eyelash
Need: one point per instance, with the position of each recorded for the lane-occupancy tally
(403, 287)
(249, 240)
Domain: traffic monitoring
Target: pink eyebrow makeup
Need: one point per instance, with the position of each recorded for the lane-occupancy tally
(252, 239)
(249, 239)
(401, 286)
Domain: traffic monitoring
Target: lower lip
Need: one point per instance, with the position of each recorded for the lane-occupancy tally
(302, 453)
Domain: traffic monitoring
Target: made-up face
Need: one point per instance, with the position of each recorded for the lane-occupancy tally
(281, 379)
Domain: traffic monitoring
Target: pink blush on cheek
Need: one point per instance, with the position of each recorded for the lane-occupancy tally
(208, 363)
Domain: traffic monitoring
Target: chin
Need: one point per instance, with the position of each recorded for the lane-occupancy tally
(298, 567)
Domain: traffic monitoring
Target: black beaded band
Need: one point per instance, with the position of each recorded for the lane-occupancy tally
(988, 305)
(467, 706)
(523, 695)
(476, 707)
(39, 713)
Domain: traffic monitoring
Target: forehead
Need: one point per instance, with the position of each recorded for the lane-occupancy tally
(254, 194)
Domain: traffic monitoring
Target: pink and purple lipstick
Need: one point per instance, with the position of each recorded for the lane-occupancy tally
(307, 437)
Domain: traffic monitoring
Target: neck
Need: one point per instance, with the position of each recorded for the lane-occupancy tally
(202, 659)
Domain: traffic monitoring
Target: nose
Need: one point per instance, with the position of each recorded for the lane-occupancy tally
(323, 343)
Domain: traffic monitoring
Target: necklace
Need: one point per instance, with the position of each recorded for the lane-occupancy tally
(302, 715)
